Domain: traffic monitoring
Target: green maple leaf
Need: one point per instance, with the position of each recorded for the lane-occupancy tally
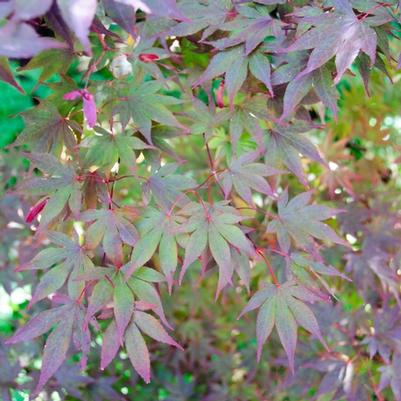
(105, 149)
(284, 308)
(113, 229)
(52, 61)
(205, 120)
(144, 104)
(213, 226)
(246, 117)
(234, 65)
(158, 229)
(302, 222)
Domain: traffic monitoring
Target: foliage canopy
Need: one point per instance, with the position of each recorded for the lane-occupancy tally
(169, 149)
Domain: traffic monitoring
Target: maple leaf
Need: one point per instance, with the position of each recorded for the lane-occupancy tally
(320, 80)
(129, 320)
(105, 149)
(234, 64)
(140, 283)
(136, 346)
(302, 222)
(285, 143)
(166, 186)
(46, 130)
(158, 229)
(245, 118)
(251, 27)
(112, 228)
(244, 175)
(284, 308)
(60, 184)
(52, 61)
(345, 35)
(205, 120)
(66, 263)
(208, 17)
(214, 226)
(67, 321)
(144, 104)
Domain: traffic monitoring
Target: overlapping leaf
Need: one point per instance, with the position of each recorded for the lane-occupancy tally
(345, 35)
(106, 149)
(166, 186)
(158, 229)
(251, 27)
(302, 222)
(67, 262)
(234, 65)
(286, 143)
(46, 130)
(112, 228)
(60, 183)
(144, 104)
(66, 320)
(244, 174)
(214, 226)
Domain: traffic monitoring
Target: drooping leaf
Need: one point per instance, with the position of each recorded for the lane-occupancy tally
(151, 327)
(214, 226)
(138, 352)
(123, 299)
(110, 345)
(55, 350)
(284, 308)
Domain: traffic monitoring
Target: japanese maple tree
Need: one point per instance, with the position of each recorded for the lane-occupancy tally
(189, 141)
